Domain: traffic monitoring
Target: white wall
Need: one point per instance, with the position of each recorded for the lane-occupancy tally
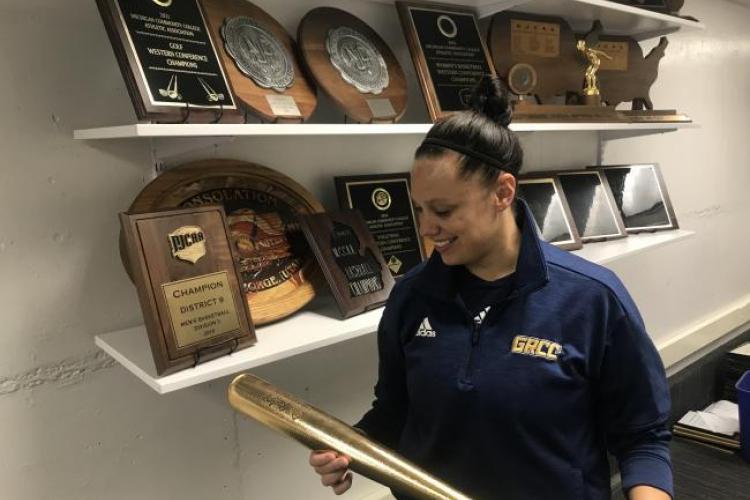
(74, 425)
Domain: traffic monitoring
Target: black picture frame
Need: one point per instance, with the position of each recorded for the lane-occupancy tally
(652, 210)
(592, 205)
(546, 199)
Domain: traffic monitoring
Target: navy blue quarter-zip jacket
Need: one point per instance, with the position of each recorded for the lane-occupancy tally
(523, 402)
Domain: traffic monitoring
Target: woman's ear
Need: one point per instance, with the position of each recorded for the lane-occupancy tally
(505, 190)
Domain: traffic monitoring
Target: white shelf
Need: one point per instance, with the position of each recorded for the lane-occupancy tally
(335, 130)
(617, 19)
(604, 253)
(318, 326)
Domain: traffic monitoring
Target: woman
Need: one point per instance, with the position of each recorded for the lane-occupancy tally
(509, 368)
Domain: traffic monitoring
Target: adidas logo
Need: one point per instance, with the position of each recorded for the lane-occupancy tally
(425, 329)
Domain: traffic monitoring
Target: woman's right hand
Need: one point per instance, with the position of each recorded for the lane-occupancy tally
(333, 469)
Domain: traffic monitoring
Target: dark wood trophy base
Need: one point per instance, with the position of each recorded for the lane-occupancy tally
(525, 112)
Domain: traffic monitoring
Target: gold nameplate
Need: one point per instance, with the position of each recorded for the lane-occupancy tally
(532, 38)
(201, 308)
(618, 51)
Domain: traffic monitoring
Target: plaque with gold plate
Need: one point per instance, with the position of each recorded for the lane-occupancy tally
(261, 62)
(544, 64)
(627, 76)
(352, 65)
(351, 260)
(170, 65)
(384, 200)
(448, 53)
(277, 269)
(188, 286)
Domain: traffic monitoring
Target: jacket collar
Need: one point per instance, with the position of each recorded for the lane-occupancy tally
(439, 280)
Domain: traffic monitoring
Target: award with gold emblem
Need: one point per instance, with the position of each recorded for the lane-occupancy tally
(277, 269)
(169, 62)
(187, 281)
(350, 259)
(353, 65)
(448, 52)
(385, 203)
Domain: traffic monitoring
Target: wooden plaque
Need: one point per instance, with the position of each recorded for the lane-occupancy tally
(628, 76)
(350, 259)
(261, 61)
(354, 66)
(448, 52)
(546, 199)
(187, 284)
(277, 268)
(170, 66)
(541, 46)
(384, 201)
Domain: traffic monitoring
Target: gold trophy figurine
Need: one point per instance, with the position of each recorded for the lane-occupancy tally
(591, 94)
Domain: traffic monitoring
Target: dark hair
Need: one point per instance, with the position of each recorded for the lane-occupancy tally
(483, 129)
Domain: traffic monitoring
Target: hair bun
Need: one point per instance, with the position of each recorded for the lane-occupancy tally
(490, 98)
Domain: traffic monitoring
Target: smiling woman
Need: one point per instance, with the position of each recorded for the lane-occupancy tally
(502, 358)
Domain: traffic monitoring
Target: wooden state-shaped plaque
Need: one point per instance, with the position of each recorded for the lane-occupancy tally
(536, 55)
(186, 278)
(448, 51)
(170, 65)
(350, 259)
(278, 271)
(261, 61)
(352, 65)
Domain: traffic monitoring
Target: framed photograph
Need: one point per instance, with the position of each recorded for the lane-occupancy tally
(384, 200)
(641, 196)
(551, 212)
(592, 205)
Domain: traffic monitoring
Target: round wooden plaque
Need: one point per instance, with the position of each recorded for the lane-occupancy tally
(260, 61)
(546, 44)
(278, 270)
(353, 65)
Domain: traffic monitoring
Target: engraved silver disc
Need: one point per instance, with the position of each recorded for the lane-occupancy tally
(258, 53)
(358, 60)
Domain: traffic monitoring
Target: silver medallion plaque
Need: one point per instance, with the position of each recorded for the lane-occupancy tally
(258, 53)
(357, 59)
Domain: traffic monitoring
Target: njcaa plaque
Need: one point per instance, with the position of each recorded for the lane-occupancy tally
(448, 52)
(168, 60)
(188, 286)
(385, 203)
(352, 65)
(350, 259)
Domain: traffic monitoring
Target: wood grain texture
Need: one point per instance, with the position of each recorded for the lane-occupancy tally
(312, 34)
(558, 72)
(146, 241)
(250, 95)
(633, 83)
(319, 230)
(278, 269)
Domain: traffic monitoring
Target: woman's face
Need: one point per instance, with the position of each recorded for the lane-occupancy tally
(462, 216)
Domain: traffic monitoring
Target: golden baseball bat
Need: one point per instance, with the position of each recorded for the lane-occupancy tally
(317, 430)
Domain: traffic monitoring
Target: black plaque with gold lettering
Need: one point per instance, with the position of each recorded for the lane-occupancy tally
(168, 60)
(448, 52)
(385, 203)
(350, 259)
(188, 286)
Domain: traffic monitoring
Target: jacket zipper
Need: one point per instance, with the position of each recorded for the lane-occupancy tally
(476, 330)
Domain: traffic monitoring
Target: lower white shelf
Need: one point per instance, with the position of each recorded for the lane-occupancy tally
(316, 327)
